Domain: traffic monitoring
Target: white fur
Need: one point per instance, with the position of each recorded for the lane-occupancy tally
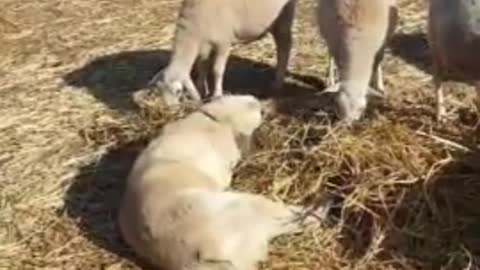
(207, 29)
(355, 32)
(176, 212)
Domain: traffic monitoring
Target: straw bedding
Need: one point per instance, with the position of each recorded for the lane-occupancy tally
(73, 116)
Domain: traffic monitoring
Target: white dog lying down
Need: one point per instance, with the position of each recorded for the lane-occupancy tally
(176, 212)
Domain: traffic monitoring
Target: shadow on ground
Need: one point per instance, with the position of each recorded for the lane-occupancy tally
(112, 79)
(444, 231)
(93, 198)
(434, 224)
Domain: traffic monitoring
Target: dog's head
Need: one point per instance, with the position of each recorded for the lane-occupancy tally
(243, 113)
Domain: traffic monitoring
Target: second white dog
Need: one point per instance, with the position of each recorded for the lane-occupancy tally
(176, 212)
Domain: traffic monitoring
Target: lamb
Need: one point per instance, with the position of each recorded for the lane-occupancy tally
(356, 32)
(176, 212)
(205, 31)
(454, 38)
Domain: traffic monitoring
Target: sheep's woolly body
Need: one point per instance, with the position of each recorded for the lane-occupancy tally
(205, 31)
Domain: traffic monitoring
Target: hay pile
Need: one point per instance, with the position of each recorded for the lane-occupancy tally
(406, 189)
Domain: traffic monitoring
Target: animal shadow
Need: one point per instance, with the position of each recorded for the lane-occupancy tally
(443, 228)
(113, 79)
(435, 223)
(94, 196)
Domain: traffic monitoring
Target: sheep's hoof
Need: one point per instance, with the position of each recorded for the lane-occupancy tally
(441, 115)
(217, 94)
(442, 119)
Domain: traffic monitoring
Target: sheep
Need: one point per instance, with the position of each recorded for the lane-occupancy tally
(205, 32)
(176, 212)
(356, 32)
(454, 38)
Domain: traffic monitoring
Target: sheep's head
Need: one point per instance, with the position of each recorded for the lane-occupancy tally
(351, 99)
(350, 108)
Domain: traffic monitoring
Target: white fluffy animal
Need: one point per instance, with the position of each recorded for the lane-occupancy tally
(176, 212)
(355, 32)
(206, 29)
(454, 37)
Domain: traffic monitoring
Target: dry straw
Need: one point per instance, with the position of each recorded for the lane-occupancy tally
(406, 189)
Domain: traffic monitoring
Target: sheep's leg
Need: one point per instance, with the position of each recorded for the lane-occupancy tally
(379, 83)
(201, 68)
(377, 78)
(186, 50)
(192, 90)
(219, 65)
(282, 35)
(437, 73)
(439, 99)
(332, 71)
(439, 95)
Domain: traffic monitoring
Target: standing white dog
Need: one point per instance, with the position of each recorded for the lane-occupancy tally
(176, 212)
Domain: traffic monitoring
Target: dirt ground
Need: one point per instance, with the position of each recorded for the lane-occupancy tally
(72, 120)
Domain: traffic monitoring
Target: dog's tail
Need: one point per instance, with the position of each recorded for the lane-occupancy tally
(266, 218)
(239, 225)
(302, 217)
(288, 219)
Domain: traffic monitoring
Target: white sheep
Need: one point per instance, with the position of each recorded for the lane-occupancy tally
(454, 38)
(176, 212)
(209, 28)
(355, 32)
